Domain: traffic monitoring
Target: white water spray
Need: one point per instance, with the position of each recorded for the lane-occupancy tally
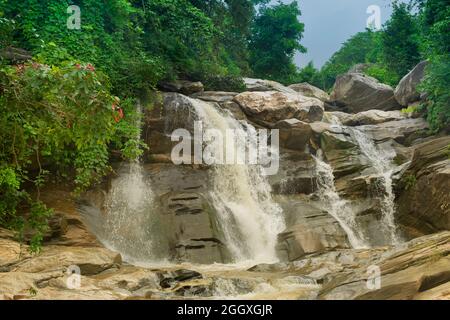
(381, 161)
(129, 223)
(249, 219)
(338, 208)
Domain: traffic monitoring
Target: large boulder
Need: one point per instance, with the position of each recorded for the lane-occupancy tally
(90, 260)
(366, 117)
(301, 239)
(406, 91)
(404, 131)
(215, 96)
(309, 229)
(294, 134)
(424, 190)
(273, 106)
(356, 92)
(265, 85)
(308, 90)
(342, 153)
(182, 86)
(193, 230)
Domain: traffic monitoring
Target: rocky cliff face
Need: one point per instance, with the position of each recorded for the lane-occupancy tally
(342, 177)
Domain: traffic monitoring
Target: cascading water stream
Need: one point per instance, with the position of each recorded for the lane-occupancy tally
(382, 163)
(129, 225)
(338, 208)
(249, 219)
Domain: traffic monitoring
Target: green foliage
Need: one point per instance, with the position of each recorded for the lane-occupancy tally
(363, 47)
(400, 41)
(308, 74)
(224, 83)
(138, 42)
(435, 16)
(275, 39)
(383, 74)
(436, 85)
(55, 119)
(410, 181)
(7, 28)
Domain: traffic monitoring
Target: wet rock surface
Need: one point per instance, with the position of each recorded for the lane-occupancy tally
(415, 270)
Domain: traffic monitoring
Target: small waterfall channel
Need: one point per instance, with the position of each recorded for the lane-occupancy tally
(337, 207)
(129, 224)
(381, 162)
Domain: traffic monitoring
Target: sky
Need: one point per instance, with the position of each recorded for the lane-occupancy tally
(328, 23)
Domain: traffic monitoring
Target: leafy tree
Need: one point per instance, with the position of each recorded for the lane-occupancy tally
(400, 41)
(276, 36)
(363, 47)
(56, 119)
(435, 17)
(308, 74)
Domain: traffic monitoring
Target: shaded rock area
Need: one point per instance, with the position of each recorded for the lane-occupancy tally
(424, 197)
(182, 86)
(260, 85)
(311, 230)
(182, 207)
(15, 55)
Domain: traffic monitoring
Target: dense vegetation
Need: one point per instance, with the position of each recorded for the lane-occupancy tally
(61, 112)
(65, 110)
(417, 30)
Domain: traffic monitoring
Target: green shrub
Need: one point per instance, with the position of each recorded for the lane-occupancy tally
(383, 75)
(60, 119)
(223, 83)
(410, 181)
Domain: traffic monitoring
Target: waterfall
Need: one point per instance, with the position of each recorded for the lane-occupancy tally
(381, 161)
(129, 225)
(338, 208)
(250, 220)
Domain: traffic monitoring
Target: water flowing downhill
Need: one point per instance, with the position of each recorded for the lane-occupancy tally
(381, 161)
(129, 225)
(337, 207)
(249, 219)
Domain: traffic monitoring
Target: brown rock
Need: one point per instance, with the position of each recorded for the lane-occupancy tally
(310, 91)
(273, 106)
(424, 200)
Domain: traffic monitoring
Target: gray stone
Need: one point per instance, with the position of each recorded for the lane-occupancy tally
(310, 91)
(406, 91)
(358, 92)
